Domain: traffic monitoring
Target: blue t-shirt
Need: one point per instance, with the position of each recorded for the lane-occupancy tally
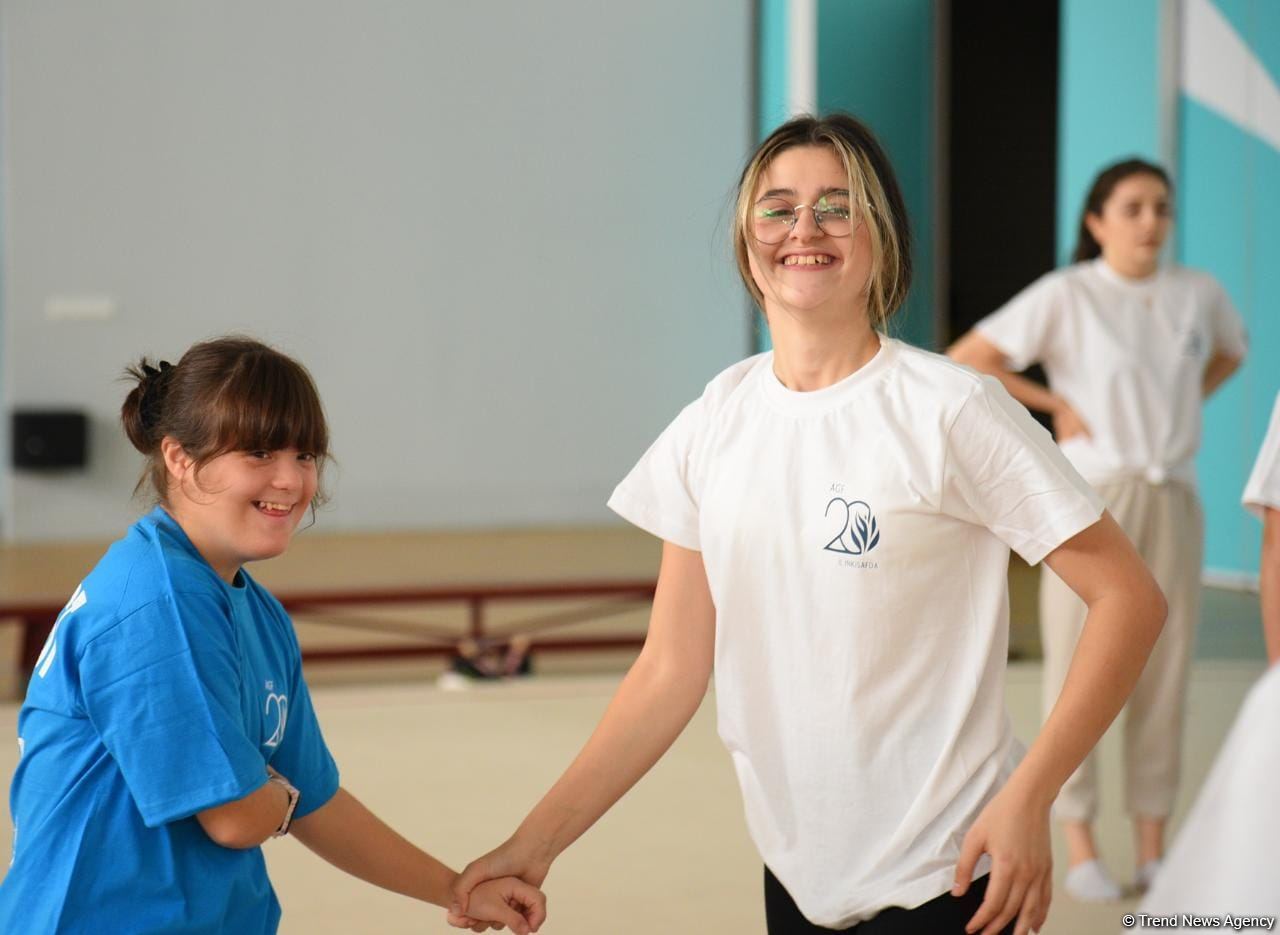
(162, 691)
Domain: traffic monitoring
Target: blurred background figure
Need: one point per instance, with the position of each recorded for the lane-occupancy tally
(1131, 350)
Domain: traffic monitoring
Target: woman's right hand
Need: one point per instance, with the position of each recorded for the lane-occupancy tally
(1067, 422)
(513, 858)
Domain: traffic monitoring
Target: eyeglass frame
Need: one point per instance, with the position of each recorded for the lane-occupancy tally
(795, 219)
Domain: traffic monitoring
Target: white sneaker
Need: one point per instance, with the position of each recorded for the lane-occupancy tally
(1089, 882)
(453, 682)
(1146, 875)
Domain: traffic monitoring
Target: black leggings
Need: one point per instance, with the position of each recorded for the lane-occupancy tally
(945, 915)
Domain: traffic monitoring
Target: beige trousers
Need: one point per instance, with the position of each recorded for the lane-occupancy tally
(1167, 527)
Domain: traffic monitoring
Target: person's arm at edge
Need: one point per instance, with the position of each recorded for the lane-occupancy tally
(1126, 611)
(1269, 582)
(655, 701)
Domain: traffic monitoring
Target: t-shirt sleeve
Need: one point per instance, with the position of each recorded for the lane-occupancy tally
(660, 494)
(1003, 471)
(302, 756)
(1226, 325)
(162, 687)
(1022, 328)
(1262, 492)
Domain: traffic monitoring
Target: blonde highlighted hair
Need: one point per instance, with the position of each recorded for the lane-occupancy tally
(873, 190)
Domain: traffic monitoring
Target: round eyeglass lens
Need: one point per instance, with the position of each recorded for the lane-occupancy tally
(833, 215)
(774, 219)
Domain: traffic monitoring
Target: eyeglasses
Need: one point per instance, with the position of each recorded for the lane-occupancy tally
(775, 218)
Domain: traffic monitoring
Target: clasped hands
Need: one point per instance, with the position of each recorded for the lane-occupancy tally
(500, 890)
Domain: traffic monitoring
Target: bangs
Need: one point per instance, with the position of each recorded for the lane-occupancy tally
(267, 403)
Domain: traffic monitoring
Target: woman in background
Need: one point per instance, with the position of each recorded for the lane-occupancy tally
(1131, 347)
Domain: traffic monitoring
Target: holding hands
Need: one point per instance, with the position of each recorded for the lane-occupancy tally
(512, 872)
(504, 902)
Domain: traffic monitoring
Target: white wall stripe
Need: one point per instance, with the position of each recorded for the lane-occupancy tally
(1220, 71)
(802, 57)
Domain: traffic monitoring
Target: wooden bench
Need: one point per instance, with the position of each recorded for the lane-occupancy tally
(349, 581)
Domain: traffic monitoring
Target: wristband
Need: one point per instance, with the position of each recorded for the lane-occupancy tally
(294, 795)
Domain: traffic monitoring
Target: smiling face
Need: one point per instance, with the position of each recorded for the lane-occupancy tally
(1133, 224)
(809, 270)
(241, 506)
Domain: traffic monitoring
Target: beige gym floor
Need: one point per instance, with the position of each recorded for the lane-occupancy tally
(456, 770)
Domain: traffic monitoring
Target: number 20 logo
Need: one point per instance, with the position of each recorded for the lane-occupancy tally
(281, 705)
(859, 533)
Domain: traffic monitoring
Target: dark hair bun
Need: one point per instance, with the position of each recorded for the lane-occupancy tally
(143, 409)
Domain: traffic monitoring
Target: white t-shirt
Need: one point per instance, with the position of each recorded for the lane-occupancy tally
(1128, 355)
(856, 542)
(1263, 489)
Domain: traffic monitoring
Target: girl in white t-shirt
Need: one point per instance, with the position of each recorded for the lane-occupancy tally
(1131, 349)
(837, 516)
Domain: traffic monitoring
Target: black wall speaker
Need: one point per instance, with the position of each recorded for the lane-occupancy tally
(49, 439)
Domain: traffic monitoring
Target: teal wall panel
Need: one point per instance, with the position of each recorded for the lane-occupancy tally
(1214, 219)
(876, 60)
(771, 56)
(1230, 225)
(1109, 106)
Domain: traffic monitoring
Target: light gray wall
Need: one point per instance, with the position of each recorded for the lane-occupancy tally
(495, 231)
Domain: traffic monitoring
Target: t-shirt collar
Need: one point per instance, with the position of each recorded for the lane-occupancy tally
(829, 397)
(162, 518)
(1145, 284)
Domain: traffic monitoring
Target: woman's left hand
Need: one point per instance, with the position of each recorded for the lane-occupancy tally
(1015, 833)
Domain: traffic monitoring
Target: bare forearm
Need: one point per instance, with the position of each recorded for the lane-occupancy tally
(651, 708)
(1269, 585)
(973, 350)
(1216, 372)
(1028, 392)
(1118, 635)
(353, 839)
(247, 822)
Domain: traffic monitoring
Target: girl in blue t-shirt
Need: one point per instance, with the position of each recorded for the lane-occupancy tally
(167, 730)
